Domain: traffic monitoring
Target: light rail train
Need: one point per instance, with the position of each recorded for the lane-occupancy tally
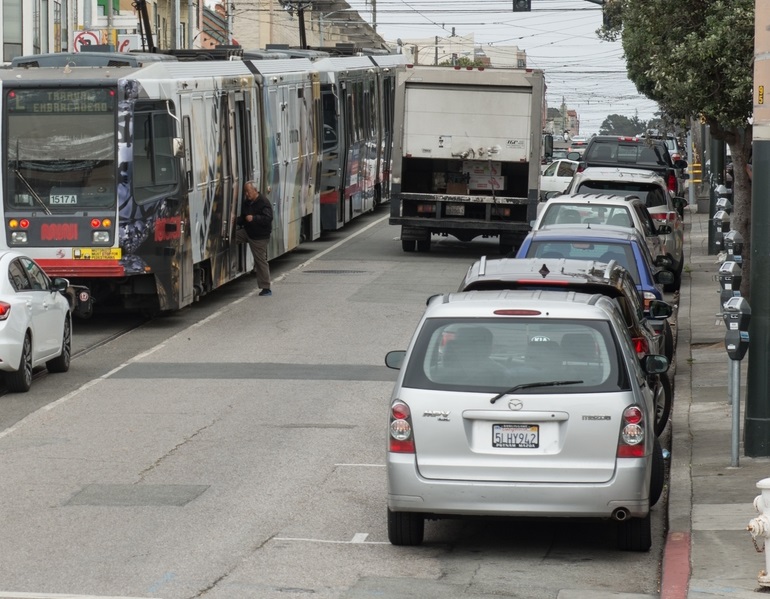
(124, 172)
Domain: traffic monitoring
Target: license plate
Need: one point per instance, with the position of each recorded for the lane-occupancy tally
(96, 254)
(63, 199)
(516, 436)
(455, 209)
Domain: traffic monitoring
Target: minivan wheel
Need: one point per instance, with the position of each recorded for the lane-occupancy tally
(405, 528)
(658, 476)
(635, 534)
(663, 404)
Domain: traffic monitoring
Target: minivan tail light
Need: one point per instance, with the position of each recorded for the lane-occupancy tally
(631, 441)
(517, 312)
(671, 182)
(401, 438)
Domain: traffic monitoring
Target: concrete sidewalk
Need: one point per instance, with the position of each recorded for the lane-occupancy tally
(708, 553)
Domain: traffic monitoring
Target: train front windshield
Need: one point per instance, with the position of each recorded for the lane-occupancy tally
(60, 149)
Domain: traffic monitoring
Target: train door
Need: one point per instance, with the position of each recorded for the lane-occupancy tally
(353, 166)
(242, 167)
(333, 145)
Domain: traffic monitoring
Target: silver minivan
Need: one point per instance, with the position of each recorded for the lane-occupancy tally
(523, 404)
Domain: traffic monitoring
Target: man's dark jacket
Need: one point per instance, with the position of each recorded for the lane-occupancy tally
(262, 224)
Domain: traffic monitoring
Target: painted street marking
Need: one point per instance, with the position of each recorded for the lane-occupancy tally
(358, 539)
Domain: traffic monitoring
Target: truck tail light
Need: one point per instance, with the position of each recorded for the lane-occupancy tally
(631, 440)
(426, 208)
(401, 439)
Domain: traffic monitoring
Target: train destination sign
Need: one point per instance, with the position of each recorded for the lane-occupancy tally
(60, 101)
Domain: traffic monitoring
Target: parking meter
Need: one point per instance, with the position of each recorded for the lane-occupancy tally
(724, 204)
(733, 243)
(730, 277)
(721, 222)
(737, 316)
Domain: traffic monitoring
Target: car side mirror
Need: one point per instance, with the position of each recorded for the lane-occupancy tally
(573, 156)
(395, 359)
(654, 364)
(664, 277)
(680, 163)
(663, 229)
(680, 202)
(660, 310)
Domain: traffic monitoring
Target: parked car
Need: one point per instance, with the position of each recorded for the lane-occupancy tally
(584, 276)
(635, 152)
(651, 189)
(35, 321)
(557, 176)
(599, 210)
(522, 404)
(623, 246)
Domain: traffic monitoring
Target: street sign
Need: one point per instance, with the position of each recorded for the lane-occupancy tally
(86, 38)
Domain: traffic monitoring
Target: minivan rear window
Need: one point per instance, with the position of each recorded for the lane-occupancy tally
(497, 354)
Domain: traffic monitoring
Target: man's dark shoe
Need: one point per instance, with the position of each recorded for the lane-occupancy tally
(265, 292)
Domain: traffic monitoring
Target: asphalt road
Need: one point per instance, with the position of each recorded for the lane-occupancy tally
(236, 450)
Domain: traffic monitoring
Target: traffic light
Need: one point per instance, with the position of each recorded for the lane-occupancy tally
(522, 5)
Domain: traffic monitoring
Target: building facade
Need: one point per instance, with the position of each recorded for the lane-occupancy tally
(43, 26)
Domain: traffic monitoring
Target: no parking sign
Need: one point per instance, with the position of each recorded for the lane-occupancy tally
(86, 38)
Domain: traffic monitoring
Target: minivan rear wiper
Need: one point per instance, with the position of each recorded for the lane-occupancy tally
(531, 385)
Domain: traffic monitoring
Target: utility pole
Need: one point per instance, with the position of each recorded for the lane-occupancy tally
(435, 55)
(757, 426)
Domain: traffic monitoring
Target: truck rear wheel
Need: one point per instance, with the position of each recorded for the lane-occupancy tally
(408, 245)
(423, 245)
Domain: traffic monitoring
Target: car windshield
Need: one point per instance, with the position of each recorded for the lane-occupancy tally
(652, 195)
(501, 353)
(599, 251)
(592, 214)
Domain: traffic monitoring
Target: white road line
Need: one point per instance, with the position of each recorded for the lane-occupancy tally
(360, 465)
(358, 539)
(6, 595)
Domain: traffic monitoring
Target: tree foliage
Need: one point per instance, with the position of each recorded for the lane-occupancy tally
(617, 124)
(695, 59)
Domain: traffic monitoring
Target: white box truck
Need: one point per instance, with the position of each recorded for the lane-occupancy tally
(467, 151)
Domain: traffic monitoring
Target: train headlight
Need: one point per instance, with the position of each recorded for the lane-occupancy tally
(18, 237)
(101, 237)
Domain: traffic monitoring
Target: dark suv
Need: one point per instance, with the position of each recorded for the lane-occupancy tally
(582, 276)
(635, 152)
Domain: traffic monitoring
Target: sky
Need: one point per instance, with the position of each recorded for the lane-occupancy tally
(559, 37)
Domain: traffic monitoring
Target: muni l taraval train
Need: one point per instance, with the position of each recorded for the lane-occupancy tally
(125, 172)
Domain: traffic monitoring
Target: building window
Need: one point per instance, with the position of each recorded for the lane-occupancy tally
(12, 27)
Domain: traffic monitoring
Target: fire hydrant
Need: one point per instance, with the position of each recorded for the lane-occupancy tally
(760, 527)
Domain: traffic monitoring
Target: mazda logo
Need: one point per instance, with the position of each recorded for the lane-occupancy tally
(515, 404)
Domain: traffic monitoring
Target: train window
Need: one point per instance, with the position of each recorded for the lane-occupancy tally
(155, 170)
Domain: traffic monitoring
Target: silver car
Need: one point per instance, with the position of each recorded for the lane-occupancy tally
(523, 404)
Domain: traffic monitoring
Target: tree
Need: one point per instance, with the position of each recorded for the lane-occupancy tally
(617, 124)
(695, 58)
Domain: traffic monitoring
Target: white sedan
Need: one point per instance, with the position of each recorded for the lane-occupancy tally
(35, 321)
(557, 176)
